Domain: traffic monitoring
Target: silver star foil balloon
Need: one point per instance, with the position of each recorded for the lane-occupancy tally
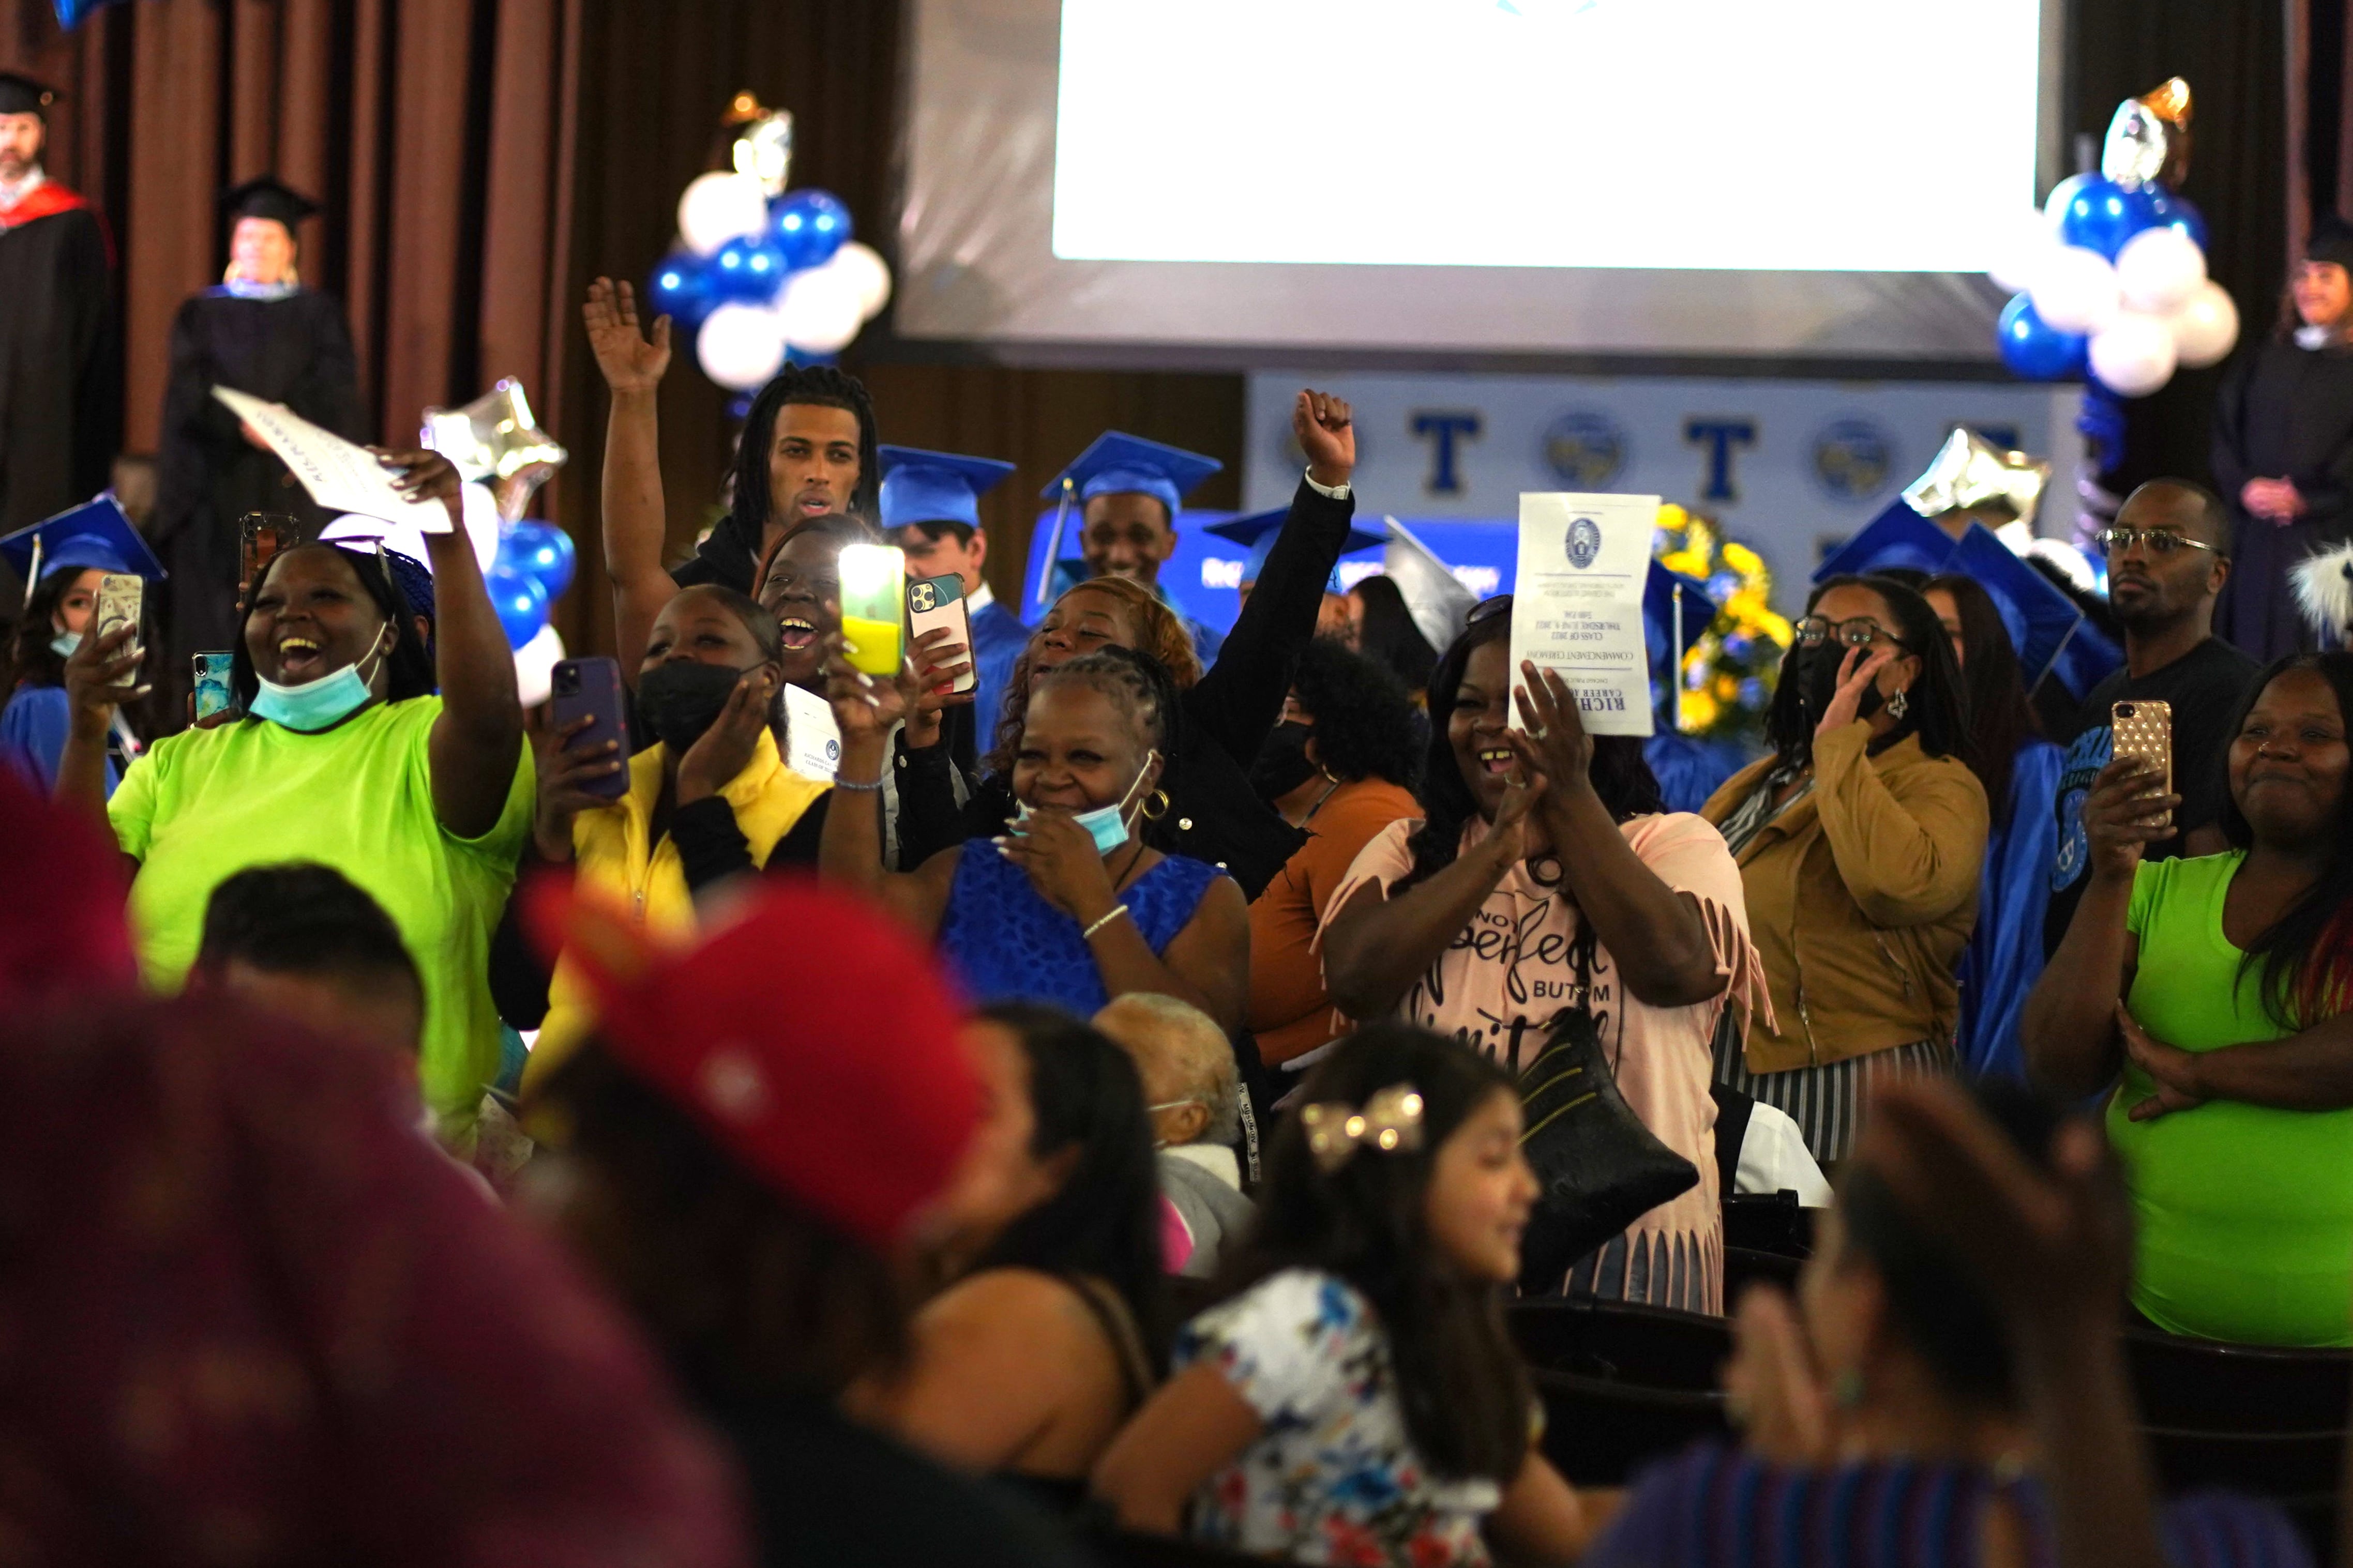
(2149, 139)
(1969, 471)
(495, 438)
(763, 141)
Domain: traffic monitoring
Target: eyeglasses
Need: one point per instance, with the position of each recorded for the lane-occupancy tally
(1861, 632)
(2162, 542)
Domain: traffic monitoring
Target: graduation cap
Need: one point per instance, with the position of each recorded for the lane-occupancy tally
(266, 197)
(2039, 617)
(935, 487)
(1896, 537)
(1257, 531)
(23, 95)
(1116, 463)
(1659, 592)
(95, 535)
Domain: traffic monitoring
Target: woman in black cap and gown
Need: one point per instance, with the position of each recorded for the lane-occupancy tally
(2284, 448)
(259, 331)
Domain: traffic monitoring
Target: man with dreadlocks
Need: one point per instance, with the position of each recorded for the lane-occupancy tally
(808, 449)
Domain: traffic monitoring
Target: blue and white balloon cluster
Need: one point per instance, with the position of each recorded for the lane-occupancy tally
(757, 278)
(2111, 277)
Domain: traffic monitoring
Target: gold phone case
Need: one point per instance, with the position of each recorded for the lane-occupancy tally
(119, 595)
(2145, 730)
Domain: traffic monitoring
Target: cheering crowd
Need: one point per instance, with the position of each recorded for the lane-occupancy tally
(1121, 1100)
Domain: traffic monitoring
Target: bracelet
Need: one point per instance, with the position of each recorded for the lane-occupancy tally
(840, 783)
(1089, 934)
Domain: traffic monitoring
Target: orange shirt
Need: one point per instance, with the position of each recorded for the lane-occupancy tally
(1290, 1011)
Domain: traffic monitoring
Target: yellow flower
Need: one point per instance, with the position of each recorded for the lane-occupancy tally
(1727, 689)
(1746, 606)
(1671, 516)
(1698, 710)
(1778, 628)
(1742, 559)
(1690, 563)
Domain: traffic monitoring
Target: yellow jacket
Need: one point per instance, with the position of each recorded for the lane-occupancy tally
(613, 855)
(1860, 897)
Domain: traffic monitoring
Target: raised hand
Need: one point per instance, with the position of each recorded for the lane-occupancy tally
(564, 773)
(1063, 864)
(864, 708)
(99, 676)
(1327, 432)
(1554, 743)
(2125, 810)
(1518, 835)
(725, 749)
(426, 476)
(1856, 672)
(1773, 1390)
(2172, 1069)
(630, 361)
(935, 662)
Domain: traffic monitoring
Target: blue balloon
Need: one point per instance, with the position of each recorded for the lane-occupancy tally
(521, 600)
(749, 268)
(2100, 215)
(2176, 212)
(808, 227)
(2034, 347)
(681, 287)
(540, 550)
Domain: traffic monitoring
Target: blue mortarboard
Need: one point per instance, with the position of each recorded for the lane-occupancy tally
(935, 487)
(1120, 464)
(94, 534)
(1896, 537)
(2040, 618)
(1258, 530)
(1658, 610)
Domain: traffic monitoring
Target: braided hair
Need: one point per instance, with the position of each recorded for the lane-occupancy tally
(1167, 645)
(825, 387)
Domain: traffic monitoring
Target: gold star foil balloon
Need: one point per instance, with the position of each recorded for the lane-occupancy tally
(495, 439)
(2149, 139)
(763, 147)
(1970, 472)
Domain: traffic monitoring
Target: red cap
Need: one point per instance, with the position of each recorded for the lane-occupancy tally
(61, 893)
(811, 1036)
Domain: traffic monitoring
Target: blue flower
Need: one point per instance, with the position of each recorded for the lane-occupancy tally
(1752, 693)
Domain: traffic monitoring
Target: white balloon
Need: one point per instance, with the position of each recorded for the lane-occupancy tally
(2205, 326)
(2075, 291)
(865, 265)
(742, 346)
(535, 667)
(2023, 251)
(822, 309)
(2158, 269)
(716, 208)
(2132, 354)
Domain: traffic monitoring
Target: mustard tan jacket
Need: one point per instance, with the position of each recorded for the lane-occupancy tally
(1860, 897)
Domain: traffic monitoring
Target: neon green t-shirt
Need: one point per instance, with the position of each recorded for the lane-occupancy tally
(206, 803)
(2245, 1212)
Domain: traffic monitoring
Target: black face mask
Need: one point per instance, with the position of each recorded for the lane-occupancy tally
(1818, 678)
(680, 700)
(1282, 765)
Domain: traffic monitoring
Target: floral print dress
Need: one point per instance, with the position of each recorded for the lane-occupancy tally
(1334, 1477)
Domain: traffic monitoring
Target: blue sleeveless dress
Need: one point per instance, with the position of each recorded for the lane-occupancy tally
(1007, 943)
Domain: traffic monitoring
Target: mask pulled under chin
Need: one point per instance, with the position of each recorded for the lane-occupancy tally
(1106, 824)
(315, 705)
(1282, 765)
(680, 701)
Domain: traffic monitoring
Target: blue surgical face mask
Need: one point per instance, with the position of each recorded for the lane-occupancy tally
(64, 644)
(1106, 824)
(319, 704)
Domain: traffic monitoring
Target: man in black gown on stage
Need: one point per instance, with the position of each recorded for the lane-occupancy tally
(60, 360)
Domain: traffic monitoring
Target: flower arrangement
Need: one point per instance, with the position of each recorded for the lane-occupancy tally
(1730, 666)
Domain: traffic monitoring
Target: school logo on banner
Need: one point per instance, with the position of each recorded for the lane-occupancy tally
(1852, 459)
(1583, 542)
(1586, 449)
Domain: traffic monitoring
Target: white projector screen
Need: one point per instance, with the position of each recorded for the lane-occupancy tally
(1220, 181)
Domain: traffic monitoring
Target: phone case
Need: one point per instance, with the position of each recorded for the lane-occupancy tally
(2145, 730)
(260, 536)
(591, 687)
(213, 693)
(119, 594)
(935, 602)
(874, 599)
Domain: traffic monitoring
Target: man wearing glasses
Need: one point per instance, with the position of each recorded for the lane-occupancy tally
(2169, 556)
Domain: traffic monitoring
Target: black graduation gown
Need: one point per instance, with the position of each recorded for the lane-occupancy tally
(60, 366)
(294, 350)
(2283, 412)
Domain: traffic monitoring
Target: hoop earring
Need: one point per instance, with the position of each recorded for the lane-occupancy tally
(1897, 706)
(1155, 805)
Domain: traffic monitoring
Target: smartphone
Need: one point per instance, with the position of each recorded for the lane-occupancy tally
(874, 599)
(935, 601)
(119, 595)
(213, 693)
(591, 687)
(2145, 730)
(261, 535)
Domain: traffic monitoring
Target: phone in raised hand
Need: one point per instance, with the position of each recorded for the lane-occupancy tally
(591, 687)
(936, 602)
(2144, 731)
